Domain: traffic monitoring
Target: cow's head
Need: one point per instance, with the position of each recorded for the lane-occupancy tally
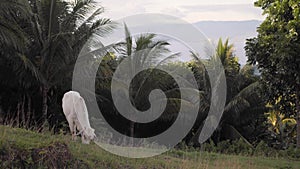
(88, 135)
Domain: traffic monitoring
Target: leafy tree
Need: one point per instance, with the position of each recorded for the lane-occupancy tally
(276, 50)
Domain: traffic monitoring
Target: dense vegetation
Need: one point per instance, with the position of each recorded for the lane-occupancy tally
(41, 40)
(276, 52)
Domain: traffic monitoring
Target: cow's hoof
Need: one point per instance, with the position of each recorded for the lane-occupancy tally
(74, 138)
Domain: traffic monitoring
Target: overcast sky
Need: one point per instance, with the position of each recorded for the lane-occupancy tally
(189, 10)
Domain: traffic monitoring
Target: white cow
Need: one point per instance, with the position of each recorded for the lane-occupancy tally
(75, 110)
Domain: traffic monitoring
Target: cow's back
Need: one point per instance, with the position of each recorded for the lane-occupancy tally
(68, 102)
(73, 103)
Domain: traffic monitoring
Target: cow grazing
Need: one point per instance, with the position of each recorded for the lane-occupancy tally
(75, 110)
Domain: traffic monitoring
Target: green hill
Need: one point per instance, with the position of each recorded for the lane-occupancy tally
(21, 148)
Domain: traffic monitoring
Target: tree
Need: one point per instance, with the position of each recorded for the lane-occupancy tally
(147, 52)
(225, 52)
(276, 50)
(140, 52)
(244, 106)
(56, 32)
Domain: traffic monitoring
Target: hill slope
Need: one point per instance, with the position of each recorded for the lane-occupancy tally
(20, 148)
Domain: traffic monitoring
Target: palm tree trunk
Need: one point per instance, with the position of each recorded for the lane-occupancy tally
(52, 8)
(45, 104)
(298, 117)
(132, 133)
(194, 141)
(18, 113)
(23, 111)
(28, 112)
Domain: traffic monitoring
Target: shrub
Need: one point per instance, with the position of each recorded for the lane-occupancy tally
(293, 152)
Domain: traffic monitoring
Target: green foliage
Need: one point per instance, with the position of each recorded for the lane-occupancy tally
(281, 129)
(148, 51)
(11, 33)
(244, 104)
(275, 51)
(42, 40)
(243, 115)
(225, 52)
(240, 147)
(293, 152)
(237, 147)
(262, 149)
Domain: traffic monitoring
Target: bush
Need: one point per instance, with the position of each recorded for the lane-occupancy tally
(293, 152)
(209, 147)
(262, 149)
(240, 147)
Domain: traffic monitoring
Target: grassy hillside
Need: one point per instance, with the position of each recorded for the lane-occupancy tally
(20, 148)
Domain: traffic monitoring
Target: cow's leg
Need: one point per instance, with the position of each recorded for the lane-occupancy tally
(72, 127)
(82, 138)
(74, 135)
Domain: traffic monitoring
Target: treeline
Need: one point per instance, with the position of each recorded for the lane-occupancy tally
(41, 40)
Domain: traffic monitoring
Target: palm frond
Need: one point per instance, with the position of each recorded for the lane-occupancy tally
(175, 104)
(128, 41)
(233, 133)
(15, 8)
(32, 68)
(102, 27)
(11, 35)
(241, 101)
(85, 12)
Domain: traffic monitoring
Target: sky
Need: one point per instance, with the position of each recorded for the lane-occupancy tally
(191, 11)
(188, 10)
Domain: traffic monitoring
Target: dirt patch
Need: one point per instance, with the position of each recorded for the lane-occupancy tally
(56, 156)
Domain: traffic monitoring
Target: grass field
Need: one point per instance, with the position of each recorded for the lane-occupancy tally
(20, 148)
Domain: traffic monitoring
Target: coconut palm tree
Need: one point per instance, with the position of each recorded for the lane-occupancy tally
(147, 51)
(56, 31)
(243, 101)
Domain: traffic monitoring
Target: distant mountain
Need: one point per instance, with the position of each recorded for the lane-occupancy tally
(236, 31)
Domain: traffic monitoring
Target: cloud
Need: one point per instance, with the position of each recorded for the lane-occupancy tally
(232, 12)
(241, 8)
(116, 9)
(190, 10)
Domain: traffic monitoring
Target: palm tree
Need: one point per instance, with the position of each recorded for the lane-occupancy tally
(56, 32)
(65, 38)
(147, 51)
(140, 54)
(243, 101)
